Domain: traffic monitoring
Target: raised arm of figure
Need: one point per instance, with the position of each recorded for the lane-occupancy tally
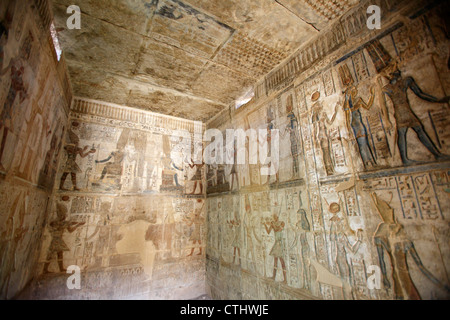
(425, 271)
(411, 83)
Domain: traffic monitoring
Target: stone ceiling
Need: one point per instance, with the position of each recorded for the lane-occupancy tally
(185, 58)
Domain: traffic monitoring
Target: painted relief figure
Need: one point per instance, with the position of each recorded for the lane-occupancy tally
(292, 129)
(137, 143)
(17, 89)
(235, 225)
(57, 229)
(340, 244)
(352, 107)
(234, 171)
(302, 227)
(112, 167)
(220, 175)
(397, 90)
(197, 221)
(250, 231)
(103, 230)
(71, 165)
(171, 170)
(320, 120)
(197, 177)
(211, 176)
(391, 237)
(278, 249)
(215, 175)
(114, 162)
(270, 127)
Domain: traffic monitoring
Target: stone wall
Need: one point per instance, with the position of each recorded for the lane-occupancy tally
(358, 209)
(35, 96)
(127, 210)
(363, 180)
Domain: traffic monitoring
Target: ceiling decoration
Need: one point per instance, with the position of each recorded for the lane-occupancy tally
(189, 58)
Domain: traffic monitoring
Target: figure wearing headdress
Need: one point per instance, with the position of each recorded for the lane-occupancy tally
(235, 225)
(302, 227)
(197, 221)
(250, 232)
(390, 237)
(340, 244)
(352, 107)
(71, 165)
(270, 126)
(320, 120)
(17, 87)
(397, 90)
(197, 177)
(292, 129)
(405, 117)
(57, 229)
(278, 250)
